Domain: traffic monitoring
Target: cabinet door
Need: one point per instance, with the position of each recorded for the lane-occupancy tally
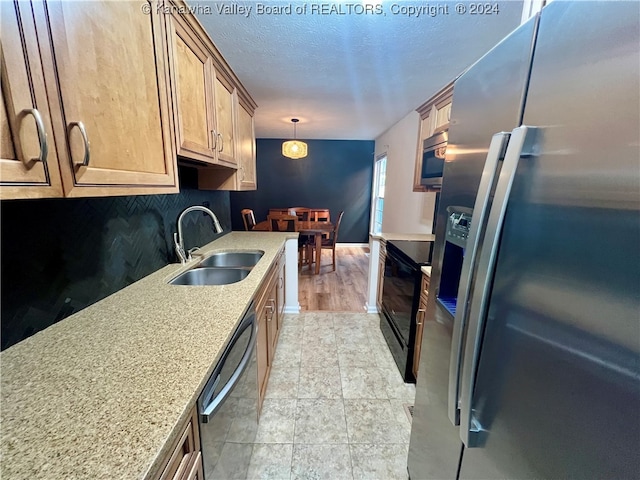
(262, 351)
(281, 290)
(246, 150)
(420, 316)
(192, 86)
(194, 470)
(381, 260)
(28, 160)
(272, 320)
(110, 72)
(225, 100)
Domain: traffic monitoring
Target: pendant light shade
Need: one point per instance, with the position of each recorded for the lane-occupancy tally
(294, 148)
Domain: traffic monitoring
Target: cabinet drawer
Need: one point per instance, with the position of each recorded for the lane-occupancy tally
(424, 287)
(184, 452)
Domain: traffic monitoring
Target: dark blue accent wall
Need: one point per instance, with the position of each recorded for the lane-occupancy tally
(336, 174)
(61, 255)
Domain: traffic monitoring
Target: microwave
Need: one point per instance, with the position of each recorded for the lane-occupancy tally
(433, 153)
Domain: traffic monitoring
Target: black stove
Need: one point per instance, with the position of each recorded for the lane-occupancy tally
(400, 299)
(418, 252)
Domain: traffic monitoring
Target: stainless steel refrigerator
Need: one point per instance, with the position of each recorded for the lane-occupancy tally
(530, 363)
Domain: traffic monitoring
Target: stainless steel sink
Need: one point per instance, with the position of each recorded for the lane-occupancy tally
(232, 259)
(210, 276)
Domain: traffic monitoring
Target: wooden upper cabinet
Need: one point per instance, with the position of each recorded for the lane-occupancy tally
(246, 150)
(192, 80)
(225, 102)
(107, 64)
(205, 93)
(434, 117)
(28, 159)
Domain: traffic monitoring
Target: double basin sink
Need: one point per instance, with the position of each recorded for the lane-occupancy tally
(221, 268)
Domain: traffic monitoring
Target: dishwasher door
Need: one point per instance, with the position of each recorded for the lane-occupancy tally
(228, 406)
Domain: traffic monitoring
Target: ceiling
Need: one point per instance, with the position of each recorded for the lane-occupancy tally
(347, 76)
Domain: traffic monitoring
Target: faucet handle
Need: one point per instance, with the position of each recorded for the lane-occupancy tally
(190, 252)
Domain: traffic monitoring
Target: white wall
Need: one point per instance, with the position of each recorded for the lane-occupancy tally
(405, 211)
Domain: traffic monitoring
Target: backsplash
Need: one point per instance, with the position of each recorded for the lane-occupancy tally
(61, 255)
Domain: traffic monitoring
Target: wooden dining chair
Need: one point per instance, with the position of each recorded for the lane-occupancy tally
(303, 213)
(278, 211)
(330, 243)
(289, 223)
(248, 218)
(321, 215)
(283, 223)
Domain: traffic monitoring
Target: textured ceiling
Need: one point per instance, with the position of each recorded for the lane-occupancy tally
(347, 76)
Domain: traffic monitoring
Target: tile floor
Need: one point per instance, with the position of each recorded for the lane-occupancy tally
(334, 403)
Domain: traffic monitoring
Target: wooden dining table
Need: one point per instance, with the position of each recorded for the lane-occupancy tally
(315, 229)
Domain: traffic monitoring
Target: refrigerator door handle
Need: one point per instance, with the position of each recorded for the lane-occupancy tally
(519, 146)
(480, 210)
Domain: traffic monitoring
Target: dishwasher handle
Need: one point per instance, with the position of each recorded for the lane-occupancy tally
(210, 407)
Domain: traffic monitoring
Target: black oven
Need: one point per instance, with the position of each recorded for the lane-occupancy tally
(400, 298)
(433, 153)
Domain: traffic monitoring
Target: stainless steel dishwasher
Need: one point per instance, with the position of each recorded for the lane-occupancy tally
(228, 406)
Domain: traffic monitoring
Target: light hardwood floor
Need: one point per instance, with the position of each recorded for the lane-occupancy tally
(341, 291)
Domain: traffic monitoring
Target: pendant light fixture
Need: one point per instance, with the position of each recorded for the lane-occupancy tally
(294, 148)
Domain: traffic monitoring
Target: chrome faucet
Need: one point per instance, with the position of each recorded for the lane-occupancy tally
(178, 238)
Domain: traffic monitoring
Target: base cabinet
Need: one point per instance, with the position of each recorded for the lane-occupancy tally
(185, 459)
(420, 316)
(269, 315)
(381, 261)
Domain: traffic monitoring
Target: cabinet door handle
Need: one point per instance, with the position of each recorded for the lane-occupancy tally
(214, 135)
(85, 139)
(271, 309)
(42, 134)
(221, 143)
(421, 312)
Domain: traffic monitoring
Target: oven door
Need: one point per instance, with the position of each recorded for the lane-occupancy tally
(398, 295)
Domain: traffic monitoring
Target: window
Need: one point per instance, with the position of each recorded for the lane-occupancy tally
(379, 178)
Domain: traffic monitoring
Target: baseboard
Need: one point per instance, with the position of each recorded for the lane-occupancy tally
(371, 308)
(338, 245)
(292, 309)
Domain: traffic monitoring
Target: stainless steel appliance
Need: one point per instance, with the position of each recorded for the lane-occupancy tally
(228, 406)
(433, 155)
(400, 298)
(536, 372)
(455, 245)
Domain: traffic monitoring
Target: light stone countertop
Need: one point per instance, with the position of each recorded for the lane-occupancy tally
(426, 270)
(101, 394)
(385, 236)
